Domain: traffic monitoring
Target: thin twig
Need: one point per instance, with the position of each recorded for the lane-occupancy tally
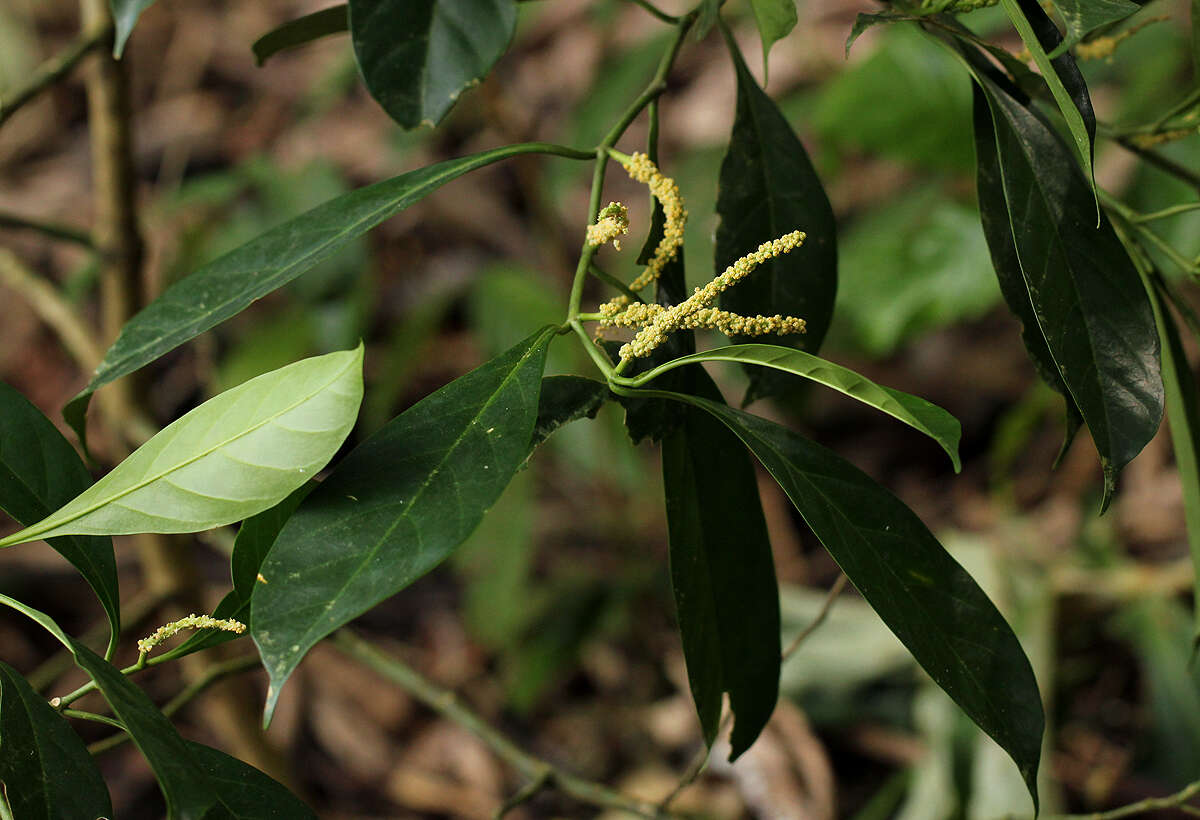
(53, 230)
(52, 309)
(612, 281)
(213, 675)
(669, 19)
(696, 767)
(447, 704)
(54, 69)
(523, 795)
(834, 592)
(1172, 801)
(1180, 172)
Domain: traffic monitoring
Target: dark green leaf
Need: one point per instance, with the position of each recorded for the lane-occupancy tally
(768, 188)
(1085, 16)
(775, 18)
(565, 399)
(45, 770)
(924, 596)
(1195, 13)
(301, 31)
(228, 285)
(864, 21)
(39, 472)
(722, 572)
(396, 506)
(185, 783)
(1183, 414)
(125, 16)
(417, 56)
(1062, 76)
(250, 548)
(993, 215)
(914, 411)
(246, 793)
(1086, 296)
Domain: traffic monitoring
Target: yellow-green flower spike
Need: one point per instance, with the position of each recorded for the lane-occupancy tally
(145, 645)
(611, 222)
(656, 321)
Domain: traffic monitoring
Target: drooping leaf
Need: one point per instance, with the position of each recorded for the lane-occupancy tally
(997, 228)
(396, 506)
(301, 31)
(246, 793)
(254, 539)
(776, 19)
(1183, 414)
(228, 285)
(39, 472)
(125, 15)
(564, 399)
(914, 411)
(1062, 77)
(722, 572)
(1085, 16)
(1086, 295)
(45, 770)
(924, 596)
(230, 458)
(417, 56)
(189, 791)
(768, 188)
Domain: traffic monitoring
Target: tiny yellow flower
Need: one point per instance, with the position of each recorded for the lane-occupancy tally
(611, 222)
(145, 645)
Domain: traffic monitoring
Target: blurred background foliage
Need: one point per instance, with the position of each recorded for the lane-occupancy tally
(555, 619)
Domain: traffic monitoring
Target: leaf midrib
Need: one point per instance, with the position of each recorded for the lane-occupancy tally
(51, 525)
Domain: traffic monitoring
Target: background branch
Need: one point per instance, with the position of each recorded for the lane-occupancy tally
(99, 33)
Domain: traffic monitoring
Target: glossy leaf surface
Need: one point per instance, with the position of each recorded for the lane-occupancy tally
(993, 215)
(1087, 297)
(228, 285)
(302, 30)
(246, 793)
(125, 15)
(924, 596)
(914, 411)
(39, 472)
(768, 188)
(564, 399)
(230, 458)
(722, 572)
(45, 770)
(1062, 77)
(417, 56)
(1084, 16)
(396, 506)
(183, 778)
(775, 19)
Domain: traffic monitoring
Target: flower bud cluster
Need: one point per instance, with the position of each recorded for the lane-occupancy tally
(611, 222)
(695, 312)
(190, 622)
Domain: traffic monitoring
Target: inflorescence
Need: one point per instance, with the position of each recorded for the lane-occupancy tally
(145, 645)
(654, 322)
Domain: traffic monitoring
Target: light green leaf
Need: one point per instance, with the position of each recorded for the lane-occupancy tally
(45, 770)
(1084, 16)
(418, 56)
(394, 508)
(776, 19)
(125, 16)
(228, 285)
(914, 411)
(230, 458)
(302, 30)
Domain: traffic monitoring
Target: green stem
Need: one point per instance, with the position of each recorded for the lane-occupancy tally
(612, 281)
(1185, 175)
(54, 69)
(446, 704)
(1174, 210)
(657, 12)
(92, 716)
(90, 686)
(1173, 801)
(1131, 217)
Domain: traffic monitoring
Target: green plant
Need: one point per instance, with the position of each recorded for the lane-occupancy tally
(1079, 268)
